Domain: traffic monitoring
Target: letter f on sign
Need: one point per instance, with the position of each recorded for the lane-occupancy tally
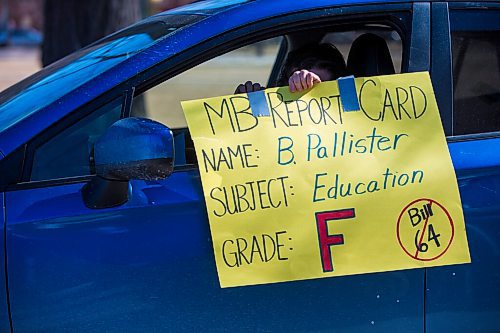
(326, 240)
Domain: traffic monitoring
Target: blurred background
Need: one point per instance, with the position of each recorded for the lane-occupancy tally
(35, 33)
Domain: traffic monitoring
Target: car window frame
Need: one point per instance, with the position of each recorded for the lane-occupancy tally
(231, 40)
(296, 22)
(351, 15)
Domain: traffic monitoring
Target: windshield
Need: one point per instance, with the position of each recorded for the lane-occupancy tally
(56, 80)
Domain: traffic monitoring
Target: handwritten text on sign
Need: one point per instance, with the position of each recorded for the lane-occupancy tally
(297, 188)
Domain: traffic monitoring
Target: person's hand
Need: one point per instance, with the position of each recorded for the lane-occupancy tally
(249, 86)
(302, 80)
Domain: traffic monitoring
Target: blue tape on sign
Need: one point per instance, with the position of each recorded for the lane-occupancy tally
(258, 104)
(348, 95)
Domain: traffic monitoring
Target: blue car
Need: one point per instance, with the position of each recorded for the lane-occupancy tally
(103, 217)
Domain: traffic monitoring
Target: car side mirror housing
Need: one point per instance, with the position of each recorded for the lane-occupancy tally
(132, 148)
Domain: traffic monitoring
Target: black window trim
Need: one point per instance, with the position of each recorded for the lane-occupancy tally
(441, 64)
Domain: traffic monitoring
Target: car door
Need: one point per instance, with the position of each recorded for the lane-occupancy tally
(148, 264)
(466, 52)
(73, 268)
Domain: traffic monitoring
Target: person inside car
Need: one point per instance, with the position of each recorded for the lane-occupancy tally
(305, 67)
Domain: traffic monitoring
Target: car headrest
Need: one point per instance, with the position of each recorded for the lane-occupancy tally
(369, 56)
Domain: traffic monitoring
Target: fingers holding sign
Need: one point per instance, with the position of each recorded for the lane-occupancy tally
(302, 80)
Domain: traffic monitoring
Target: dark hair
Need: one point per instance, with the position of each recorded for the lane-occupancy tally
(324, 56)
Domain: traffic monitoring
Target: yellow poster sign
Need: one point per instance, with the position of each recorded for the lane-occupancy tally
(297, 188)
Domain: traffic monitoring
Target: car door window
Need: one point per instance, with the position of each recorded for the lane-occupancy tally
(475, 41)
(67, 154)
(367, 49)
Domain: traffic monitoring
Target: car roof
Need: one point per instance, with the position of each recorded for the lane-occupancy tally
(213, 6)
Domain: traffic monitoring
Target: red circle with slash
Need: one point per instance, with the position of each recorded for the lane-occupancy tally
(450, 220)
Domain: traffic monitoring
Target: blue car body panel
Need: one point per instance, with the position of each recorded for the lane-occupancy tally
(103, 270)
(469, 156)
(465, 297)
(148, 266)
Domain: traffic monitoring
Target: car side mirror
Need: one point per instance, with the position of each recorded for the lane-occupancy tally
(132, 148)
